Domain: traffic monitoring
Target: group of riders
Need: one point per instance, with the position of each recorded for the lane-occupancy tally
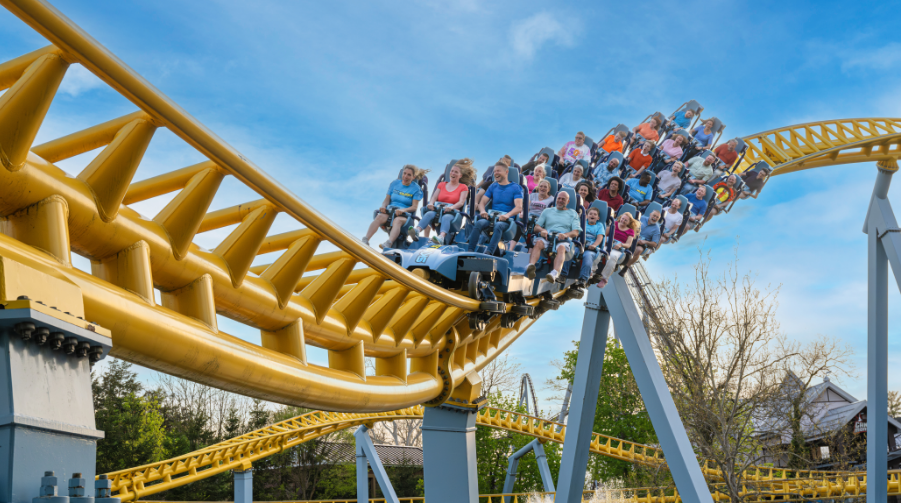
(606, 204)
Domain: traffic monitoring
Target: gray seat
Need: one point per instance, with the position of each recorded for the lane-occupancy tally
(654, 206)
(553, 185)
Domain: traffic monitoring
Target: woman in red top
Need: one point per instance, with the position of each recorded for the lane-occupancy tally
(626, 228)
(649, 130)
(611, 193)
(454, 193)
(640, 159)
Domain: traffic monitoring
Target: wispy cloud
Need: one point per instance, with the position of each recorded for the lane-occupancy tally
(79, 80)
(874, 58)
(528, 35)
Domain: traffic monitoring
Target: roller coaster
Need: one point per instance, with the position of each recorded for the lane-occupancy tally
(348, 299)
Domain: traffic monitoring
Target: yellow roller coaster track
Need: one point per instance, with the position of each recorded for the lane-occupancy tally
(240, 452)
(417, 332)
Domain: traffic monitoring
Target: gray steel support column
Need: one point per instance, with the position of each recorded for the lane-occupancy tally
(364, 453)
(585, 391)
(884, 243)
(46, 408)
(542, 465)
(679, 453)
(450, 454)
(242, 486)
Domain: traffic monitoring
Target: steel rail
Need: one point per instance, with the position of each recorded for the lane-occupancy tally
(240, 452)
(66, 35)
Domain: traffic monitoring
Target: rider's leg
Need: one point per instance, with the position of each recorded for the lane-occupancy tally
(587, 264)
(375, 225)
(498, 231)
(561, 251)
(396, 229)
(426, 220)
(475, 234)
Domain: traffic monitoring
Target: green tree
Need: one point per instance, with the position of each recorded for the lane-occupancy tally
(495, 446)
(620, 413)
(133, 424)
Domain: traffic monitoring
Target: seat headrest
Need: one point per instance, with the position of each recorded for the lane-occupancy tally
(653, 207)
(709, 193)
(693, 105)
(514, 175)
(741, 145)
(621, 128)
(616, 155)
(660, 116)
(589, 142)
(585, 164)
(706, 153)
(625, 208)
(683, 204)
(448, 169)
(549, 152)
(601, 206)
(717, 126)
(572, 197)
(683, 133)
(553, 185)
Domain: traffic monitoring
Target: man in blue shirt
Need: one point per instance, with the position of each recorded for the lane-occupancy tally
(683, 119)
(641, 191)
(698, 204)
(404, 195)
(648, 240)
(506, 200)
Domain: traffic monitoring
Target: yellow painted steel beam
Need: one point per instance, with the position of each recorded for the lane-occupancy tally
(824, 143)
(69, 37)
(145, 480)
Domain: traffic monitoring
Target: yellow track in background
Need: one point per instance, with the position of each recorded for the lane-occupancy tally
(240, 452)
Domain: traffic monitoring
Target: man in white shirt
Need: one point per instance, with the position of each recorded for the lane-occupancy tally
(673, 220)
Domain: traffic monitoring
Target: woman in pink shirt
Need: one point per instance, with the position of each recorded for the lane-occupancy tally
(453, 193)
(534, 179)
(672, 148)
(625, 230)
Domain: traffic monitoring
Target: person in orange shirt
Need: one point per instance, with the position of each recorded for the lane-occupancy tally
(640, 159)
(727, 152)
(613, 142)
(649, 130)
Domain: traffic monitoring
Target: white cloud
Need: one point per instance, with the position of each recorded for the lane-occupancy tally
(882, 58)
(528, 35)
(79, 80)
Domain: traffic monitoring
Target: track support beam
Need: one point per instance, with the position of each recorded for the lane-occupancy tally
(450, 454)
(365, 453)
(512, 473)
(243, 484)
(585, 390)
(884, 243)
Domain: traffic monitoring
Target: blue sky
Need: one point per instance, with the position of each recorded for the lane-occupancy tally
(332, 98)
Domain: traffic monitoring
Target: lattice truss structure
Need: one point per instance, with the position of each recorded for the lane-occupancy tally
(240, 452)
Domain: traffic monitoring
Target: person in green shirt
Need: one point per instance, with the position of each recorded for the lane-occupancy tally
(566, 224)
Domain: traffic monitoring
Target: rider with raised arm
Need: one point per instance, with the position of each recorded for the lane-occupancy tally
(453, 192)
(506, 200)
(404, 195)
(566, 224)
